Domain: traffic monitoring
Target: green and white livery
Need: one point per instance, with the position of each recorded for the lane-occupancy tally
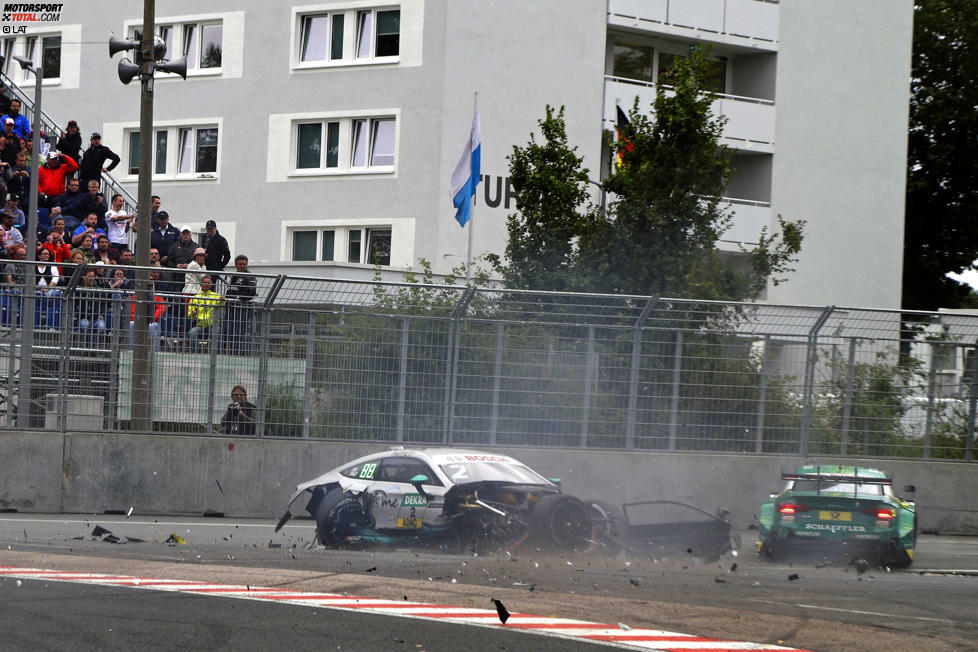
(840, 503)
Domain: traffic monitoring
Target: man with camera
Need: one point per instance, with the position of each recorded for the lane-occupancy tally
(240, 416)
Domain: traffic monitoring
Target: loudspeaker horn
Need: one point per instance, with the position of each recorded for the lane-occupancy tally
(119, 45)
(127, 71)
(177, 66)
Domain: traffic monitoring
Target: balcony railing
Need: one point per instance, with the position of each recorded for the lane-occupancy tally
(749, 217)
(756, 20)
(750, 120)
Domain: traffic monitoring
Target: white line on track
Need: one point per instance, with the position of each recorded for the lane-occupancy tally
(854, 611)
(581, 630)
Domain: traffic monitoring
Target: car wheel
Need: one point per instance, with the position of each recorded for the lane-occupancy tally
(562, 521)
(338, 512)
(774, 547)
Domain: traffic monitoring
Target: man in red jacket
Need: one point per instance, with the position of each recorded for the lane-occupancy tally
(51, 178)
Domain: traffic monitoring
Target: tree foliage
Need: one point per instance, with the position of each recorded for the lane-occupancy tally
(659, 234)
(941, 233)
(552, 186)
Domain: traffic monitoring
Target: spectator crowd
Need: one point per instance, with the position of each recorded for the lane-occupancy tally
(194, 300)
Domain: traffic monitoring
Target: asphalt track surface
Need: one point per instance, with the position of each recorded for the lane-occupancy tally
(814, 600)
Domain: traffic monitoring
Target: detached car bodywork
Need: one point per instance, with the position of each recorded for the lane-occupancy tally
(840, 503)
(465, 498)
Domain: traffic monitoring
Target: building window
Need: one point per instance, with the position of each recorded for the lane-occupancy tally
(161, 140)
(373, 143)
(47, 51)
(376, 37)
(319, 245)
(202, 43)
(945, 356)
(310, 153)
(329, 244)
(196, 152)
(7, 49)
(378, 246)
(632, 61)
(370, 145)
(321, 35)
(304, 245)
(353, 250)
(165, 32)
(134, 153)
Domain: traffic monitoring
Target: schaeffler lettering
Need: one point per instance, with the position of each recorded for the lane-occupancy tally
(834, 528)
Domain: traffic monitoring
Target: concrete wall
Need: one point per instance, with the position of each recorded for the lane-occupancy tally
(94, 473)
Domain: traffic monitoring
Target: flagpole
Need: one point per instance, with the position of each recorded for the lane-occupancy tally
(468, 257)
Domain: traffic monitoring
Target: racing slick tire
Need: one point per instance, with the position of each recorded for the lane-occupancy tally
(774, 547)
(562, 521)
(337, 513)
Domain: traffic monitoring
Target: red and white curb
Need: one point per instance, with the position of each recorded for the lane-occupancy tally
(615, 635)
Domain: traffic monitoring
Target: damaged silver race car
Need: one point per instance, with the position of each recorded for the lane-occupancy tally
(463, 498)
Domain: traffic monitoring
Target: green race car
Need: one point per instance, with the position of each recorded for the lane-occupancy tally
(840, 503)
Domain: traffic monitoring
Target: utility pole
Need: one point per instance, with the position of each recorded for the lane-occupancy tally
(149, 53)
(28, 299)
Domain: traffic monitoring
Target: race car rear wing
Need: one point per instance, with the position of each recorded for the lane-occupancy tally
(855, 479)
(836, 477)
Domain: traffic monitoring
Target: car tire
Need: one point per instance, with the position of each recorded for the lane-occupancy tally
(562, 521)
(774, 547)
(337, 513)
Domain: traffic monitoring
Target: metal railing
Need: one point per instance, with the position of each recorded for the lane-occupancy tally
(52, 131)
(428, 364)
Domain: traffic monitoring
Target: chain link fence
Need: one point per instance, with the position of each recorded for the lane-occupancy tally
(427, 364)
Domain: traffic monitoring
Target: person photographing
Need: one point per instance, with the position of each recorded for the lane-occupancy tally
(240, 416)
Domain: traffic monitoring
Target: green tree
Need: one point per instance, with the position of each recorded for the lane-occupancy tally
(551, 185)
(941, 233)
(658, 236)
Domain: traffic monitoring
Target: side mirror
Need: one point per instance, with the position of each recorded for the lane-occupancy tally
(910, 488)
(417, 481)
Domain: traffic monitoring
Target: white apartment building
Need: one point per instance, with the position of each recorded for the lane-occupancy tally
(316, 133)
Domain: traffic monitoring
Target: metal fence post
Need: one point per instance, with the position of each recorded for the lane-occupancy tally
(307, 390)
(496, 383)
(402, 377)
(219, 314)
(632, 411)
(455, 342)
(969, 442)
(588, 378)
(677, 366)
(261, 332)
(847, 396)
(931, 396)
(808, 397)
(63, 364)
(115, 354)
(762, 398)
(67, 324)
(11, 361)
(263, 321)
